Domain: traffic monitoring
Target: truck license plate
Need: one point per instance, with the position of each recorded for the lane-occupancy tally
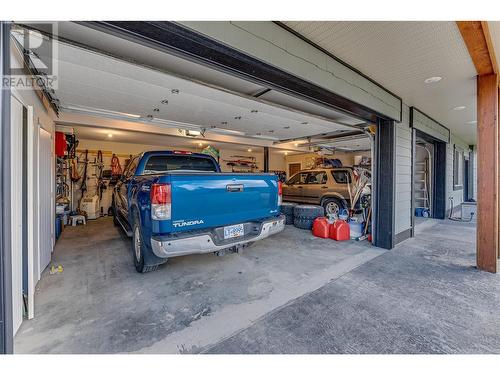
(233, 231)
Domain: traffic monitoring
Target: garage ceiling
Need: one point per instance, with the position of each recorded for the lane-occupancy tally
(400, 56)
(167, 142)
(90, 82)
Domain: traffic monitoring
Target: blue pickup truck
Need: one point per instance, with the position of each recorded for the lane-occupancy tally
(176, 203)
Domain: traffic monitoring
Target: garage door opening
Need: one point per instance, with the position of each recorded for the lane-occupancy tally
(108, 112)
(336, 174)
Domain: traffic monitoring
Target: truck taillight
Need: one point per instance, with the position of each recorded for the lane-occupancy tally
(161, 202)
(280, 193)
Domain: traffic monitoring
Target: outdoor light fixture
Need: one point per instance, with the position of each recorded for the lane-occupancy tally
(459, 108)
(433, 79)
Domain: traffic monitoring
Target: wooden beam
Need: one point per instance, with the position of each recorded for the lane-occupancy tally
(487, 172)
(477, 38)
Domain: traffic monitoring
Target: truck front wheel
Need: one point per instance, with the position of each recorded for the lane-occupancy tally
(138, 250)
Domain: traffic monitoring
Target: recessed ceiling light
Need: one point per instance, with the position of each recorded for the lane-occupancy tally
(110, 135)
(459, 108)
(286, 153)
(200, 144)
(174, 91)
(164, 101)
(249, 150)
(433, 79)
(296, 144)
(472, 122)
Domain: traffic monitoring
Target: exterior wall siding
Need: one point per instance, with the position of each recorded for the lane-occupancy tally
(403, 172)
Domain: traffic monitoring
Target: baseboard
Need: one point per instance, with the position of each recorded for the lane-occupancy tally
(402, 236)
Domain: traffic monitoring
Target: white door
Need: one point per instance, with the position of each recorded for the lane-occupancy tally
(16, 184)
(45, 194)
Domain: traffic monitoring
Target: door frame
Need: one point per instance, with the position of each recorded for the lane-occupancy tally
(438, 176)
(6, 336)
(30, 214)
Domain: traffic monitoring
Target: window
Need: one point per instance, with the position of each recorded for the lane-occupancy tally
(165, 163)
(299, 178)
(132, 167)
(316, 178)
(341, 177)
(458, 169)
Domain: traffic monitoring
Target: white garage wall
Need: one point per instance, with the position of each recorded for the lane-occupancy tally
(123, 150)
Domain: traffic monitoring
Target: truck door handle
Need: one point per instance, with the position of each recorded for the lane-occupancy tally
(234, 188)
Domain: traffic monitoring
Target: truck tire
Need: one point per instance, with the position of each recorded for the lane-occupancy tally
(303, 223)
(287, 210)
(141, 262)
(333, 206)
(308, 212)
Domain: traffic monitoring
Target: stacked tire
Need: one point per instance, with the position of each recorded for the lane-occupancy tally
(303, 216)
(287, 210)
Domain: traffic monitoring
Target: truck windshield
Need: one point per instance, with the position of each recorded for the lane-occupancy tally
(166, 163)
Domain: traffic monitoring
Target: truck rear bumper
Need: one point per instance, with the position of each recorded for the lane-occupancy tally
(210, 241)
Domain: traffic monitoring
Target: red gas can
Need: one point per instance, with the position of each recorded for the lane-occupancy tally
(321, 227)
(340, 231)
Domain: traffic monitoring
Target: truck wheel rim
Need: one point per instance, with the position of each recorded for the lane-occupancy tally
(137, 244)
(332, 209)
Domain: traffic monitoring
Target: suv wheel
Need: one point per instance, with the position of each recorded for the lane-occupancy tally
(333, 206)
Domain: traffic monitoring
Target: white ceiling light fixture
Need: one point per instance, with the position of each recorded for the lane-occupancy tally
(249, 150)
(110, 135)
(433, 79)
(193, 133)
(459, 108)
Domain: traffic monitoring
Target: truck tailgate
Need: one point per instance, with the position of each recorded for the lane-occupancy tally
(207, 200)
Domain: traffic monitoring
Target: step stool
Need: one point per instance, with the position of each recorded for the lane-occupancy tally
(76, 219)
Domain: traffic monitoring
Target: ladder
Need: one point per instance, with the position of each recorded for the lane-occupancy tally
(421, 184)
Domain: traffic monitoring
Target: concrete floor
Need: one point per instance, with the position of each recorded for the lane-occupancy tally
(99, 304)
(425, 296)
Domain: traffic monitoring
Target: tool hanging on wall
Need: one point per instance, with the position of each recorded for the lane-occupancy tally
(83, 186)
(100, 166)
(116, 169)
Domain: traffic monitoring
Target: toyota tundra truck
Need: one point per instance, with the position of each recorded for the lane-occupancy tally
(175, 203)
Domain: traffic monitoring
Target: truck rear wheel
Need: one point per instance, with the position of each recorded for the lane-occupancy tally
(138, 250)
